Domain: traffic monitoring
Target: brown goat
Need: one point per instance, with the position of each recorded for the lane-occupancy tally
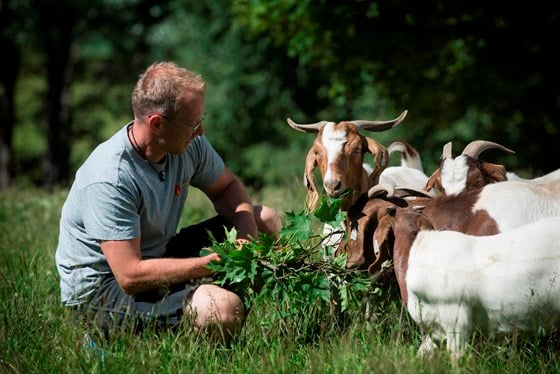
(338, 150)
(445, 212)
(495, 208)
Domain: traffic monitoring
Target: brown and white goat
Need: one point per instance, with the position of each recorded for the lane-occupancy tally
(410, 173)
(466, 171)
(495, 208)
(454, 284)
(410, 157)
(338, 150)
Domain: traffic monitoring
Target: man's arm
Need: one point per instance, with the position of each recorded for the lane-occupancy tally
(136, 275)
(232, 202)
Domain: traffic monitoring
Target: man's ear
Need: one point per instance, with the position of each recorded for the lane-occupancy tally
(155, 122)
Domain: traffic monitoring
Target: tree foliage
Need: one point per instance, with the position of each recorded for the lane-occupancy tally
(466, 70)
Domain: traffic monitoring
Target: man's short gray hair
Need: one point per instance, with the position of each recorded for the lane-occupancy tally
(160, 86)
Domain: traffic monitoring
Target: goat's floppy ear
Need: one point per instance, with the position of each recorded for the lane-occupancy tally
(493, 172)
(381, 159)
(391, 210)
(383, 241)
(434, 181)
(309, 181)
(354, 247)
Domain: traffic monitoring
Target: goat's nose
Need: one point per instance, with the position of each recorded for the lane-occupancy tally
(333, 186)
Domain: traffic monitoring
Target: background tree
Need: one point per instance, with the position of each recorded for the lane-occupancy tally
(9, 71)
(60, 34)
(464, 70)
(247, 102)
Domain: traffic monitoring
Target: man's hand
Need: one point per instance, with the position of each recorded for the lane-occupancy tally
(240, 241)
(212, 256)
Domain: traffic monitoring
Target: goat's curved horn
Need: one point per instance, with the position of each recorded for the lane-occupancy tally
(379, 125)
(307, 127)
(403, 192)
(397, 146)
(476, 147)
(379, 189)
(446, 154)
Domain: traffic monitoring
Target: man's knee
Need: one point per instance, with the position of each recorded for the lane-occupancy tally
(215, 308)
(268, 220)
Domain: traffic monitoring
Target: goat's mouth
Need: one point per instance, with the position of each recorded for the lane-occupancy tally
(336, 193)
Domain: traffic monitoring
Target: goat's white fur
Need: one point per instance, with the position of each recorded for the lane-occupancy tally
(454, 175)
(334, 144)
(404, 177)
(458, 283)
(410, 173)
(543, 178)
(513, 204)
(409, 162)
(333, 141)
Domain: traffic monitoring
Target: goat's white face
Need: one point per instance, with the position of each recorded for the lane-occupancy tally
(333, 141)
(454, 175)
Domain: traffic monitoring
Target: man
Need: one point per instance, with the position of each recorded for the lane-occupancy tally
(119, 257)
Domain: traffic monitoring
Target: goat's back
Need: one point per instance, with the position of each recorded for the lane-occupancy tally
(514, 203)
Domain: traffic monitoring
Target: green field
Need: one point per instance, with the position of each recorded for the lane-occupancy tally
(37, 335)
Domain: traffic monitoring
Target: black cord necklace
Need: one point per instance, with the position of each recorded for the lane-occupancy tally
(161, 174)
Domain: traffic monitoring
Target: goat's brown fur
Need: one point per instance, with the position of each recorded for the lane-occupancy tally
(348, 166)
(444, 212)
(395, 234)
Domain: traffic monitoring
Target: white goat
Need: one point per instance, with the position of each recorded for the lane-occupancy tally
(454, 284)
(543, 178)
(410, 173)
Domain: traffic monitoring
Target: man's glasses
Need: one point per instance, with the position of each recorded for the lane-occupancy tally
(193, 128)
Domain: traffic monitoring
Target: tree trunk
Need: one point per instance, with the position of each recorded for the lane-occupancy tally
(57, 34)
(9, 71)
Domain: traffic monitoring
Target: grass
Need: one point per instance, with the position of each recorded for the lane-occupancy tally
(37, 334)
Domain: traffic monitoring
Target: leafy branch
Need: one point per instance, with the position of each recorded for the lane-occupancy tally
(290, 268)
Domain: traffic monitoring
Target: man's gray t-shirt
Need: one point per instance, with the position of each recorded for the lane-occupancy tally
(117, 195)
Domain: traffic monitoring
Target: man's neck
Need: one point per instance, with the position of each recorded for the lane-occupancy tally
(140, 140)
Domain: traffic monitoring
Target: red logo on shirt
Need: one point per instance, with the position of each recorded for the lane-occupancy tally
(179, 187)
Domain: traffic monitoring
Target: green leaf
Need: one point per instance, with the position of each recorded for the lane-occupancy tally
(340, 261)
(329, 211)
(298, 226)
(231, 235)
(238, 275)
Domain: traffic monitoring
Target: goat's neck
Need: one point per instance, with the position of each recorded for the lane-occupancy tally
(350, 200)
(400, 255)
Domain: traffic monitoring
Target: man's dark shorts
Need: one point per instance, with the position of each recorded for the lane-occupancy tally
(111, 308)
